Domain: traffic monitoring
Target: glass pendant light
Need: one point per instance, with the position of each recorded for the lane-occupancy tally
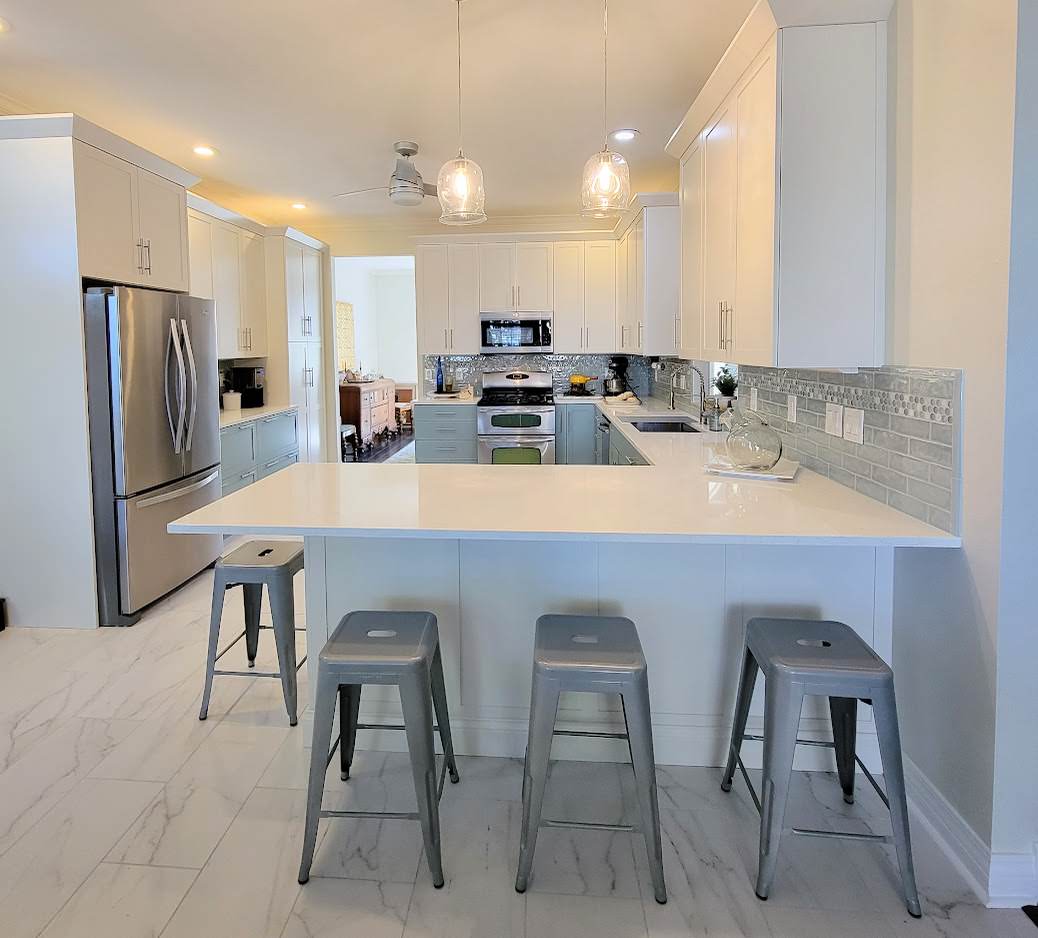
(460, 183)
(606, 187)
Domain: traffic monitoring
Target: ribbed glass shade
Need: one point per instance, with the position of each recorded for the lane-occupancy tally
(606, 188)
(460, 190)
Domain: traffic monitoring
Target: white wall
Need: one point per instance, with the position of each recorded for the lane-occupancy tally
(382, 292)
(953, 155)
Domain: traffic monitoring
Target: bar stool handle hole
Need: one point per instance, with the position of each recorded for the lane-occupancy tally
(814, 643)
(382, 633)
(266, 551)
(585, 639)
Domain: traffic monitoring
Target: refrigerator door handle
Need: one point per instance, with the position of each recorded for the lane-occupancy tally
(178, 432)
(194, 386)
(179, 493)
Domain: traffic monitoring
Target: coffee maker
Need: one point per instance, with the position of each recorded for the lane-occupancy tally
(250, 383)
(616, 377)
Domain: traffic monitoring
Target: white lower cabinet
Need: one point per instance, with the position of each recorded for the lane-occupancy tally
(306, 391)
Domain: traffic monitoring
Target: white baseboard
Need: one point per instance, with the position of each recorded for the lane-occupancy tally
(963, 846)
(1013, 880)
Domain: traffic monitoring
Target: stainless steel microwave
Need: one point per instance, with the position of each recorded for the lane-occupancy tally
(521, 332)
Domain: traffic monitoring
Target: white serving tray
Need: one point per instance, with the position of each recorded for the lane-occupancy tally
(784, 470)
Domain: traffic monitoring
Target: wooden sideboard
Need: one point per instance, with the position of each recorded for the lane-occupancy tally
(369, 407)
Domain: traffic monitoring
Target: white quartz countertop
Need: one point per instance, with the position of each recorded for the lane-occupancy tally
(673, 499)
(230, 418)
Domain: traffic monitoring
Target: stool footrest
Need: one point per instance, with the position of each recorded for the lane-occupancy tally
(249, 673)
(393, 815)
(589, 733)
(842, 835)
(389, 726)
(588, 826)
(818, 743)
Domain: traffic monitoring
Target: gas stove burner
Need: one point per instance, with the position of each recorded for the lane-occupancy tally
(502, 397)
(517, 388)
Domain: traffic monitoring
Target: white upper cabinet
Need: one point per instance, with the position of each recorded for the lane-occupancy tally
(230, 342)
(691, 314)
(253, 291)
(599, 297)
(294, 290)
(463, 306)
(200, 255)
(447, 294)
(311, 323)
(649, 321)
(497, 277)
(791, 210)
(568, 328)
(515, 276)
(132, 224)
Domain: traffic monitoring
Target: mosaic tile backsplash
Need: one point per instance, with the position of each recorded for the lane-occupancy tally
(468, 369)
(910, 458)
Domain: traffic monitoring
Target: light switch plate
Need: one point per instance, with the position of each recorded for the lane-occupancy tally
(854, 425)
(753, 398)
(834, 419)
(791, 408)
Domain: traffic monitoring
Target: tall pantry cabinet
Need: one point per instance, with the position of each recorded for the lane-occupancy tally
(295, 297)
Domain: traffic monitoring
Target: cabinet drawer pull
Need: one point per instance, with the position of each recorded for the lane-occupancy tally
(273, 462)
(245, 475)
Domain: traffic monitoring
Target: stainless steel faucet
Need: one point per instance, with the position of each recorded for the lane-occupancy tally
(673, 381)
(702, 394)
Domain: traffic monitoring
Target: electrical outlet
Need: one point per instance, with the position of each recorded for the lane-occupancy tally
(854, 425)
(791, 408)
(753, 398)
(834, 419)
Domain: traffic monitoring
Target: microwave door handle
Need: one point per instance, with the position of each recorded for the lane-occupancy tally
(178, 437)
(194, 385)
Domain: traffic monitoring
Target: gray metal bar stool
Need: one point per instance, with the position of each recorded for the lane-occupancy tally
(252, 566)
(600, 655)
(401, 648)
(805, 657)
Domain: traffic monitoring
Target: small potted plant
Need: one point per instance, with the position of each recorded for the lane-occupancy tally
(727, 384)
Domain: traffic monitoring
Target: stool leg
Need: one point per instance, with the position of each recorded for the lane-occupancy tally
(253, 596)
(637, 715)
(884, 708)
(416, 702)
(843, 711)
(782, 706)
(439, 696)
(544, 705)
(324, 716)
(349, 709)
(219, 589)
(747, 680)
(283, 616)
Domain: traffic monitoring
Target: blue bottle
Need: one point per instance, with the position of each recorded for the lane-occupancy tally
(439, 375)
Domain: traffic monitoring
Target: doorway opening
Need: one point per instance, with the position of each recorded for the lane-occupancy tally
(376, 355)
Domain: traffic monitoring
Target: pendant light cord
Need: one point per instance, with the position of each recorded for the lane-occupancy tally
(459, 80)
(605, 74)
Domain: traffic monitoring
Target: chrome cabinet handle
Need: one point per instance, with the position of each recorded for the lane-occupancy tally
(451, 345)
(147, 255)
(140, 256)
(446, 343)
(518, 296)
(640, 326)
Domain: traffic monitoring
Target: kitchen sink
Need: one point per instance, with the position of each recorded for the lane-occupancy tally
(664, 426)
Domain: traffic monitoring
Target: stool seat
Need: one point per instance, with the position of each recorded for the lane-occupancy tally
(379, 640)
(262, 555)
(809, 652)
(596, 646)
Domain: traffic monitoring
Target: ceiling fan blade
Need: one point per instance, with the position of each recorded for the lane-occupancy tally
(343, 195)
(430, 189)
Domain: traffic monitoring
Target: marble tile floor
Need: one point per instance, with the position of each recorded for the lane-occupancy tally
(123, 815)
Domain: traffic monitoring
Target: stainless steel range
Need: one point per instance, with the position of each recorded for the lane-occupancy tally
(515, 418)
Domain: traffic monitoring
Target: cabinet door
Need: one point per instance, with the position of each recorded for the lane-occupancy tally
(581, 430)
(719, 174)
(162, 211)
(298, 386)
(562, 412)
(294, 290)
(568, 319)
(600, 297)
(314, 402)
(253, 292)
(497, 277)
(106, 216)
(692, 253)
(622, 251)
(533, 278)
(432, 292)
(230, 340)
(629, 328)
(752, 329)
(200, 255)
(637, 311)
(312, 293)
(463, 303)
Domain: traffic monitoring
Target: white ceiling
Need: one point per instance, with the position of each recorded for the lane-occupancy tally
(305, 100)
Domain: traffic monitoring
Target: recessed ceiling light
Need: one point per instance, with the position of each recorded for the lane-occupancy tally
(299, 205)
(624, 134)
(203, 150)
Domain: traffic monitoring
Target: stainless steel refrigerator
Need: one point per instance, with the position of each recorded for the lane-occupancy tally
(152, 392)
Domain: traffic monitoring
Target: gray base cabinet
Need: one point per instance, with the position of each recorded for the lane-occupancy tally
(623, 453)
(257, 448)
(575, 428)
(445, 433)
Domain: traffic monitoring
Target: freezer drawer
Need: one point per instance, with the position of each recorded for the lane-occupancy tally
(151, 561)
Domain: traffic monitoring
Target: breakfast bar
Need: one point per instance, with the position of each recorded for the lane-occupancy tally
(689, 556)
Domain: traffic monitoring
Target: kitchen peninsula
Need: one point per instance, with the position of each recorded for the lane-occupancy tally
(688, 555)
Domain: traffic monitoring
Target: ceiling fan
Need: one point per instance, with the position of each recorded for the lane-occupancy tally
(405, 184)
